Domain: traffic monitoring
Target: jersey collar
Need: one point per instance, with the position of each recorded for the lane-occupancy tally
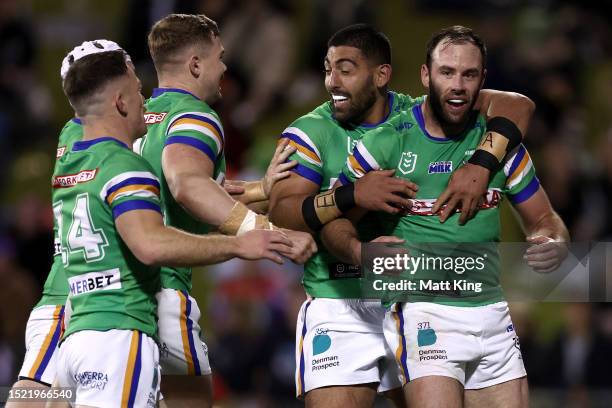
(390, 99)
(86, 144)
(417, 111)
(158, 91)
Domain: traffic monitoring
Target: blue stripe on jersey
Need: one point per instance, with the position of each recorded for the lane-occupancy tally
(517, 160)
(360, 159)
(308, 173)
(134, 205)
(343, 179)
(77, 121)
(86, 144)
(526, 193)
(193, 142)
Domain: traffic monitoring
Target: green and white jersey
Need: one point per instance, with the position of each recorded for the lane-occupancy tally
(404, 144)
(177, 116)
(96, 182)
(55, 289)
(323, 144)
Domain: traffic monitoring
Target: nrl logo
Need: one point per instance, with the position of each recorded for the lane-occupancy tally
(407, 162)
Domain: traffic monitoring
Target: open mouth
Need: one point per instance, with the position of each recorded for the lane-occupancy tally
(456, 104)
(340, 100)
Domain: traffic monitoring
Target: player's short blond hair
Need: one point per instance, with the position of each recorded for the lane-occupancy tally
(174, 32)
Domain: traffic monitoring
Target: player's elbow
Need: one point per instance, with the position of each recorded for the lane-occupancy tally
(523, 104)
(148, 253)
(179, 188)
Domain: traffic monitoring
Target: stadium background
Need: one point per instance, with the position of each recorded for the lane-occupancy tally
(558, 53)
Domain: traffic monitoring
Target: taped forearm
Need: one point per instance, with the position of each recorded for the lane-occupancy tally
(241, 220)
(501, 137)
(327, 206)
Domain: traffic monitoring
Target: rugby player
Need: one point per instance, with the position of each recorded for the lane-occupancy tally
(341, 356)
(185, 147)
(113, 237)
(457, 347)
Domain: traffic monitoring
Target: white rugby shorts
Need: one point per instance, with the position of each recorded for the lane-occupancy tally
(477, 346)
(44, 330)
(113, 368)
(341, 342)
(182, 352)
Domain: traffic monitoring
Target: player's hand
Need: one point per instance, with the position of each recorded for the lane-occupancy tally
(545, 254)
(234, 187)
(278, 169)
(263, 244)
(466, 187)
(380, 191)
(302, 248)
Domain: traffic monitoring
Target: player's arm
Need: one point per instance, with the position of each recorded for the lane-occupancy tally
(152, 243)
(258, 192)
(545, 230)
(294, 202)
(508, 115)
(188, 170)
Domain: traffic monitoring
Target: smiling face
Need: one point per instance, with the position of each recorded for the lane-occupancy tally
(213, 69)
(453, 81)
(349, 79)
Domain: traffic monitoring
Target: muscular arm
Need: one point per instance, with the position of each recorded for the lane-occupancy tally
(341, 240)
(153, 243)
(511, 105)
(286, 200)
(545, 231)
(538, 218)
(188, 173)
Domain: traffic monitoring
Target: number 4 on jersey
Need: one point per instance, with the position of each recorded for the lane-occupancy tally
(83, 235)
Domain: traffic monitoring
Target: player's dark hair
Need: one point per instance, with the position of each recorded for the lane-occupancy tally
(456, 35)
(89, 74)
(175, 32)
(374, 45)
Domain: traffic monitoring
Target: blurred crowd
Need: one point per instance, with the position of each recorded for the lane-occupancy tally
(559, 53)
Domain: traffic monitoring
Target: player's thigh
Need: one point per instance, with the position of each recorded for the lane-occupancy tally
(434, 392)
(187, 391)
(396, 396)
(357, 396)
(182, 351)
(511, 394)
(22, 385)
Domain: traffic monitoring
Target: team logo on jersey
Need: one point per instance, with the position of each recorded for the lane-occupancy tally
(350, 144)
(152, 118)
(407, 162)
(321, 342)
(440, 167)
(72, 180)
(60, 152)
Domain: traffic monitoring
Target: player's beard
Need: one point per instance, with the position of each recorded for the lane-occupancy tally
(443, 118)
(359, 105)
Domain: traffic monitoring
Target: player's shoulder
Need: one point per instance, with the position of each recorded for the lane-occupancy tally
(170, 106)
(404, 102)
(316, 124)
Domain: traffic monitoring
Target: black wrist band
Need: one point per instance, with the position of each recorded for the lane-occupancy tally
(310, 215)
(507, 129)
(485, 159)
(345, 197)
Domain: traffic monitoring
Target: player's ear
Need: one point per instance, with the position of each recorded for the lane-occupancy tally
(383, 75)
(425, 76)
(195, 66)
(121, 103)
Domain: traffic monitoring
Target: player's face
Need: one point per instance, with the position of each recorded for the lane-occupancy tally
(350, 81)
(212, 59)
(135, 102)
(453, 82)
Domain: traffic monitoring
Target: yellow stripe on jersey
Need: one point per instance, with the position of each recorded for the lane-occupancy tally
(519, 168)
(185, 335)
(129, 369)
(47, 342)
(197, 122)
(134, 188)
